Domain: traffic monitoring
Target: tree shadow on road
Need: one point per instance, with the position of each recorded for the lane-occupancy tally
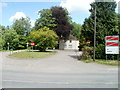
(74, 56)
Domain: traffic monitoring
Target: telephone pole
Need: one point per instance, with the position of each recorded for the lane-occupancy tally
(94, 34)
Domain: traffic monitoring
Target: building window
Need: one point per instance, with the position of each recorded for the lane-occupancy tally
(70, 41)
(70, 46)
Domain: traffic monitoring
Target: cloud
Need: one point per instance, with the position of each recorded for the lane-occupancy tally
(78, 5)
(18, 15)
(32, 22)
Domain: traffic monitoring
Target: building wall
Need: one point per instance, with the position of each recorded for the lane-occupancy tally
(69, 44)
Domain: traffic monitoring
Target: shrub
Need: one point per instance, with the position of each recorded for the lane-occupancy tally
(100, 51)
(44, 38)
(87, 53)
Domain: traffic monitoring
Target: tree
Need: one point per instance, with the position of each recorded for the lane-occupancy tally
(76, 31)
(46, 19)
(63, 26)
(2, 40)
(12, 38)
(44, 38)
(105, 22)
(22, 26)
(106, 25)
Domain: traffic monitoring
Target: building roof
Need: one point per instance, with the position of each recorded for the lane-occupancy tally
(71, 37)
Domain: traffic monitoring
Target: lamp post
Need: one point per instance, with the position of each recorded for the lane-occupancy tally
(8, 45)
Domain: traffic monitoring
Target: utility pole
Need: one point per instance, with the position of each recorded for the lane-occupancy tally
(94, 34)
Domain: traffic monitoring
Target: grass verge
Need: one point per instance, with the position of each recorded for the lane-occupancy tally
(31, 55)
(106, 62)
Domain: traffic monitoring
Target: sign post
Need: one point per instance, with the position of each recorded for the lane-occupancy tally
(112, 45)
(8, 45)
(32, 44)
(27, 44)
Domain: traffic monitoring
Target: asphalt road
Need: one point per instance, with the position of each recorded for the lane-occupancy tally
(61, 70)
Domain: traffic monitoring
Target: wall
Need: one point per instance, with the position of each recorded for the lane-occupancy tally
(69, 44)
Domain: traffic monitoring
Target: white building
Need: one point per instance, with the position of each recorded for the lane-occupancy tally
(71, 44)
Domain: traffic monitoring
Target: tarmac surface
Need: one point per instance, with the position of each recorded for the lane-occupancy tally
(61, 70)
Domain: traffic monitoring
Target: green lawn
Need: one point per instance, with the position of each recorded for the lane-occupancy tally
(106, 62)
(30, 54)
(4, 50)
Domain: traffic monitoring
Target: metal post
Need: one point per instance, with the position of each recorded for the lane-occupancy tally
(94, 35)
(106, 57)
(32, 48)
(27, 45)
(8, 45)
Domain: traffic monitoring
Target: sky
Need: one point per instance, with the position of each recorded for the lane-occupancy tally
(78, 10)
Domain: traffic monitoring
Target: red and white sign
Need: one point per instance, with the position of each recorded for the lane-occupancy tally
(32, 44)
(88, 42)
(111, 38)
(112, 44)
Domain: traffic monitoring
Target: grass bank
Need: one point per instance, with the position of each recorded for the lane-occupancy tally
(106, 62)
(31, 55)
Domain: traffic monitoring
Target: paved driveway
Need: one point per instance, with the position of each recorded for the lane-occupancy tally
(61, 70)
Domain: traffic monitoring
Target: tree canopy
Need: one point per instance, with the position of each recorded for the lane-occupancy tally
(46, 19)
(76, 30)
(43, 38)
(106, 22)
(63, 27)
(22, 26)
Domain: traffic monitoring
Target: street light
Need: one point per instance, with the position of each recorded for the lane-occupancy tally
(8, 45)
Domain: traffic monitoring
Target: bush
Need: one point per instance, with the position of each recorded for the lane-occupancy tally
(44, 38)
(87, 53)
(100, 51)
(82, 44)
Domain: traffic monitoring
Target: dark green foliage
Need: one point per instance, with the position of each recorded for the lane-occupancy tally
(63, 27)
(76, 30)
(106, 25)
(100, 51)
(106, 22)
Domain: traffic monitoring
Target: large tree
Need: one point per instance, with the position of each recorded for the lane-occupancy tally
(105, 23)
(46, 19)
(11, 37)
(63, 26)
(22, 26)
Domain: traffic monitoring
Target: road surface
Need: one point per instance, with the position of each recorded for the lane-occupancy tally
(61, 70)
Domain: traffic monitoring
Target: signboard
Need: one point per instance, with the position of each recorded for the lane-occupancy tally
(32, 43)
(112, 45)
(88, 42)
